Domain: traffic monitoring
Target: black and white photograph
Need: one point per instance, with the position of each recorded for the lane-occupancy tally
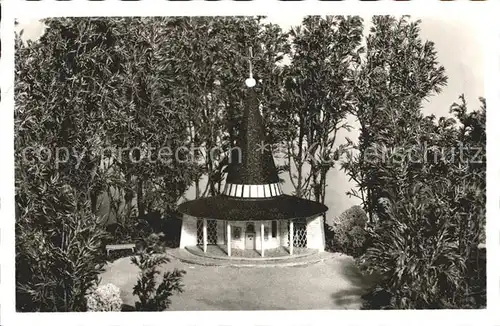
(250, 163)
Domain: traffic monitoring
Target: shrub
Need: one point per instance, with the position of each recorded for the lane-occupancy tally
(152, 231)
(425, 247)
(417, 252)
(153, 242)
(349, 235)
(152, 297)
(104, 298)
(57, 262)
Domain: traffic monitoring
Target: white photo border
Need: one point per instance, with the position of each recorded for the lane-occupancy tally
(484, 12)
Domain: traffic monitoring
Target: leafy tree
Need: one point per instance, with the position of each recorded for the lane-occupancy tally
(79, 91)
(152, 128)
(399, 72)
(202, 87)
(68, 119)
(318, 97)
(58, 239)
(417, 175)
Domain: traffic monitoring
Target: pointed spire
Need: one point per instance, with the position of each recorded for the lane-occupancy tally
(251, 161)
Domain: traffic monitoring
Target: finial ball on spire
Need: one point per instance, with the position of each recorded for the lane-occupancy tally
(250, 82)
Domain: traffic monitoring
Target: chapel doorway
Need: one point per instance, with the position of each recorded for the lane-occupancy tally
(250, 236)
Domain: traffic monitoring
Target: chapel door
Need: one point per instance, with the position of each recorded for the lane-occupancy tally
(250, 236)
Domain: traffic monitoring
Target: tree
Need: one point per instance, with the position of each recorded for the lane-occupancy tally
(317, 97)
(58, 239)
(420, 182)
(68, 119)
(399, 72)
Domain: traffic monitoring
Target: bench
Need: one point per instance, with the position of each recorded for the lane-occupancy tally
(124, 246)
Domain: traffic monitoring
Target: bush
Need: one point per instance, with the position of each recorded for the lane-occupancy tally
(104, 298)
(423, 245)
(153, 242)
(349, 235)
(57, 262)
(152, 297)
(425, 249)
(418, 253)
(151, 231)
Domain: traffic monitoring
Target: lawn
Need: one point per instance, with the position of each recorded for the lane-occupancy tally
(332, 284)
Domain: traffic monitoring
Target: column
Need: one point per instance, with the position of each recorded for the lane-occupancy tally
(228, 239)
(204, 235)
(291, 237)
(262, 239)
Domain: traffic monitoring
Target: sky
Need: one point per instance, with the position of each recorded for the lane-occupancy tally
(458, 42)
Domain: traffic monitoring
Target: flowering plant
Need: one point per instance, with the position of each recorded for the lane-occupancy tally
(104, 298)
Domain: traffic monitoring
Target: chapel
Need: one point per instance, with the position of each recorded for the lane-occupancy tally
(252, 213)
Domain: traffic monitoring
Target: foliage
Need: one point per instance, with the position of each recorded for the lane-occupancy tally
(217, 66)
(425, 247)
(152, 104)
(349, 234)
(399, 72)
(418, 177)
(58, 200)
(317, 98)
(59, 252)
(104, 298)
(58, 238)
(151, 296)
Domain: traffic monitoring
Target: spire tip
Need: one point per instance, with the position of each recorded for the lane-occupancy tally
(250, 82)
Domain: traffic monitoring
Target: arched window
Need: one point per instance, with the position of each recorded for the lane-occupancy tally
(250, 228)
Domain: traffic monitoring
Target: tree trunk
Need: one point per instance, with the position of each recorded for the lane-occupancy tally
(369, 207)
(140, 198)
(197, 188)
(324, 173)
(301, 159)
(129, 195)
(93, 201)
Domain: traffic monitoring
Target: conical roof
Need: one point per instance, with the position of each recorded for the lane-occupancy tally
(252, 190)
(251, 161)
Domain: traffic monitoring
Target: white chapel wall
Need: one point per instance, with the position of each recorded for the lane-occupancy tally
(188, 231)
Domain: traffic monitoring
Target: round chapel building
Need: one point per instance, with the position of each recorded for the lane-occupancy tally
(252, 213)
